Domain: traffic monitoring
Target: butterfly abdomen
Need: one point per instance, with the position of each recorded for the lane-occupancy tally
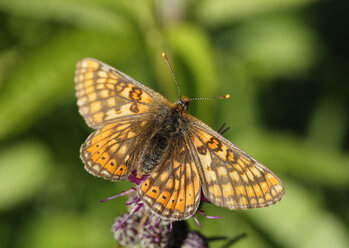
(160, 144)
(154, 153)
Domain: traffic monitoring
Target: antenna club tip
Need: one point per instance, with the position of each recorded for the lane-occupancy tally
(164, 55)
(226, 96)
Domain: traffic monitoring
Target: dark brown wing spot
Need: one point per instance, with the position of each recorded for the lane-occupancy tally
(214, 144)
(137, 91)
(121, 86)
(135, 94)
(202, 150)
(230, 156)
(134, 108)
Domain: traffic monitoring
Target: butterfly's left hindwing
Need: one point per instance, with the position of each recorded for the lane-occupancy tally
(173, 190)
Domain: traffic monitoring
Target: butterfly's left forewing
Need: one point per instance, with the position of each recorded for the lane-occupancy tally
(230, 178)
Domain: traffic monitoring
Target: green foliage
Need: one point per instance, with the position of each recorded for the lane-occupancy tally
(284, 63)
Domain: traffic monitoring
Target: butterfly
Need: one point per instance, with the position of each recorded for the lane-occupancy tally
(139, 130)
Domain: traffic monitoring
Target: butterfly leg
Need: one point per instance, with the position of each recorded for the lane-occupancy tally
(221, 130)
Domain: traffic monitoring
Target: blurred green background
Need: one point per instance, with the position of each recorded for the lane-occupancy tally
(284, 63)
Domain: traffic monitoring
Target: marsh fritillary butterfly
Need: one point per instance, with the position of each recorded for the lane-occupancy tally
(140, 130)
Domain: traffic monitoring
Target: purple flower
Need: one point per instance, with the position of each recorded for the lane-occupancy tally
(142, 227)
(127, 234)
(195, 240)
(158, 236)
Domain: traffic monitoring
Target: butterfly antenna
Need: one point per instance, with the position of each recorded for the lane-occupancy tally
(208, 98)
(179, 90)
(168, 63)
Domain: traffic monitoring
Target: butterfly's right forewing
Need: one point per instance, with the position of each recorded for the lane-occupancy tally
(122, 109)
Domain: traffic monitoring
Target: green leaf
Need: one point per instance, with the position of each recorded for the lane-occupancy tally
(68, 229)
(86, 15)
(299, 220)
(275, 45)
(192, 45)
(219, 12)
(46, 75)
(24, 169)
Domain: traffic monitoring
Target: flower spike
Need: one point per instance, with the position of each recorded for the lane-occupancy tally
(121, 194)
(197, 222)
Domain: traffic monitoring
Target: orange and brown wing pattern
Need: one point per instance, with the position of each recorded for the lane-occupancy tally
(173, 191)
(106, 95)
(231, 178)
(106, 153)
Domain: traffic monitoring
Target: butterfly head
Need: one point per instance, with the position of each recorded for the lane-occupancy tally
(183, 104)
